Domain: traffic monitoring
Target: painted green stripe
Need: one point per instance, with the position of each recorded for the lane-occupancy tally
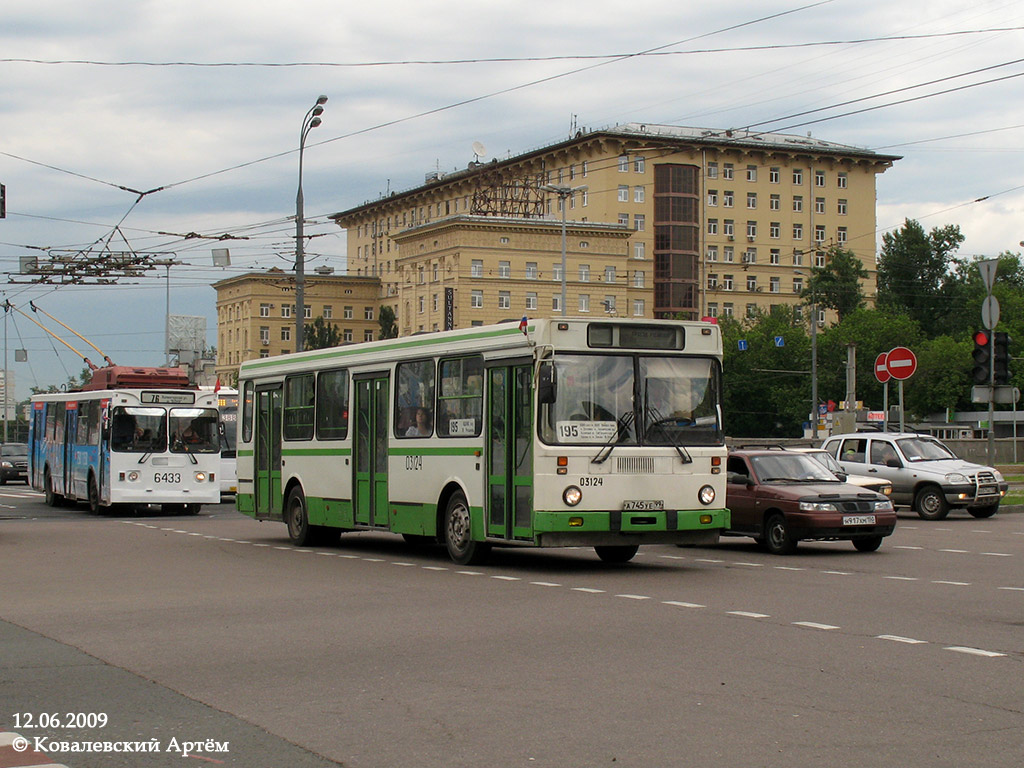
(316, 451)
(337, 353)
(244, 452)
(467, 451)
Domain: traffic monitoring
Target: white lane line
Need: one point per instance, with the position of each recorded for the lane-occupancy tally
(905, 546)
(838, 573)
(506, 578)
(787, 568)
(974, 651)
(672, 557)
(954, 583)
(434, 568)
(634, 597)
(373, 559)
(545, 584)
(287, 549)
(976, 530)
(349, 557)
(404, 565)
(899, 639)
(751, 565)
(900, 578)
(814, 625)
(955, 551)
(469, 573)
(997, 554)
(681, 604)
(589, 590)
(748, 614)
(708, 560)
(1013, 589)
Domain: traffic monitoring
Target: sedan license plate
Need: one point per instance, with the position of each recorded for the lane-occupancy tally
(631, 505)
(858, 519)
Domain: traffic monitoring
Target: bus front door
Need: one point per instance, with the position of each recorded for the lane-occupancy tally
(510, 452)
(370, 462)
(267, 454)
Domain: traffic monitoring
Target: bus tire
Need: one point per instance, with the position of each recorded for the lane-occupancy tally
(617, 554)
(94, 496)
(301, 533)
(53, 499)
(458, 535)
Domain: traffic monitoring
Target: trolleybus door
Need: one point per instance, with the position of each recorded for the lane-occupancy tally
(370, 489)
(267, 453)
(510, 452)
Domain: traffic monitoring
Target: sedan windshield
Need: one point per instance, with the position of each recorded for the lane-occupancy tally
(633, 400)
(924, 449)
(789, 468)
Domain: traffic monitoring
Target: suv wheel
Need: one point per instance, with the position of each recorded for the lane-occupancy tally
(988, 511)
(777, 537)
(931, 504)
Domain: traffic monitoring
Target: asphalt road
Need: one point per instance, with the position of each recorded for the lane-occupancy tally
(373, 653)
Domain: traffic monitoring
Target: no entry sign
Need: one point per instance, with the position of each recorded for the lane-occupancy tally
(881, 371)
(901, 363)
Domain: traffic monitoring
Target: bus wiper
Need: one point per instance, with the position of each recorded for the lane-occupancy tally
(606, 450)
(659, 423)
(145, 457)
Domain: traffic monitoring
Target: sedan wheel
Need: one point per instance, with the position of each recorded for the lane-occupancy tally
(931, 504)
(778, 539)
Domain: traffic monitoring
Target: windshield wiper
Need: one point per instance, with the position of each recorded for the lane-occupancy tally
(659, 423)
(606, 450)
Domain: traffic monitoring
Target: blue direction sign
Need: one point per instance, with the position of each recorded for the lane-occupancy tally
(779, 341)
(742, 344)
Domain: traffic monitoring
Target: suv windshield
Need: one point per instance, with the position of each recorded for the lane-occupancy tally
(790, 468)
(14, 450)
(924, 449)
(633, 400)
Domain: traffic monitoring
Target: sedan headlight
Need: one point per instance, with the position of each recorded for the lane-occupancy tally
(884, 506)
(957, 478)
(817, 506)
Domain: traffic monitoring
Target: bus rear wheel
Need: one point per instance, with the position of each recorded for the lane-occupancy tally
(53, 499)
(458, 536)
(94, 496)
(299, 530)
(617, 554)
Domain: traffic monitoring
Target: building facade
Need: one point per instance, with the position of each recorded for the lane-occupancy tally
(719, 222)
(256, 313)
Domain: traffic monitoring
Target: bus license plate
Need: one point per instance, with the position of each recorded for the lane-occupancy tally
(631, 505)
(858, 520)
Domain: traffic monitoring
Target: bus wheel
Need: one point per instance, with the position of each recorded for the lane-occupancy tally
(53, 499)
(616, 554)
(299, 530)
(94, 496)
(457, 535)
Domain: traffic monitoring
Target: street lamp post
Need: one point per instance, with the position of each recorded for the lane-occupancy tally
(309, 122)
(563, 193)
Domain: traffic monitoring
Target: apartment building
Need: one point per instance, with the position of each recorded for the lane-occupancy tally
(719, 222)
(256, 313)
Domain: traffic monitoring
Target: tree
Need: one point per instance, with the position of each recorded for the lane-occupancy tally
(838, 285)
(320, 334)
(388, 326)
(914, 273)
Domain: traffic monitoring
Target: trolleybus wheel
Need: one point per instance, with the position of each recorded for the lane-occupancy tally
(457, 535)
(94, 496)
(617, 554)
(53, 499)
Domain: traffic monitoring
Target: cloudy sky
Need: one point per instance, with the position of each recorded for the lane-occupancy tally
(137, 123)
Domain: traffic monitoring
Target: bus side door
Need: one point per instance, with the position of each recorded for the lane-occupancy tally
(267, 454)
(510, 451)
(370, 449)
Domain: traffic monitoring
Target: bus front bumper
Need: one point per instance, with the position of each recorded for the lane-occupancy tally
(617, 527)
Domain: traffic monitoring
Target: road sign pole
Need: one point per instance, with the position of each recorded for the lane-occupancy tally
(902, 428)
(885, 407)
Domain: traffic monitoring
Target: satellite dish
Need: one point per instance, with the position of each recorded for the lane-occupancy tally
(479, 149)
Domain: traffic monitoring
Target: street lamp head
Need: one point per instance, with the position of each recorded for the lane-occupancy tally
(321, 99)
(318, 110)
(315, 122)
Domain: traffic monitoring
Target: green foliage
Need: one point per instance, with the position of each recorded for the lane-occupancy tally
(320, 335)
(837, 285)
(388, 326)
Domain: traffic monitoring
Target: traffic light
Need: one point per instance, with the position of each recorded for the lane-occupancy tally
(982, 356)
(1001, 353)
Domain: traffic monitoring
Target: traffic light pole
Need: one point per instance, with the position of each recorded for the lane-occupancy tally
(991, 399)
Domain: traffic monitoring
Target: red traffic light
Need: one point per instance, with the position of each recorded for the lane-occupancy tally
(981, 338)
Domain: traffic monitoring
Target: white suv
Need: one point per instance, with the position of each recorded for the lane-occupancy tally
(924, 473)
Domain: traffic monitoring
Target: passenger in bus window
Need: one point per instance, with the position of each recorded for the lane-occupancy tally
(421, 427)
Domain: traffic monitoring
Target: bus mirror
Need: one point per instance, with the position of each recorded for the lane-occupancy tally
(547, 384)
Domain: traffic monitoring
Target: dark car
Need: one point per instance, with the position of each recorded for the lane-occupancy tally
(13, 462)
(781, 497)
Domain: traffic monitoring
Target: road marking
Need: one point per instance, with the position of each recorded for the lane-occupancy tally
(748, 614)
(814, 625)
(997, 554)
(680, 604)
(469, 573)
(545, 584)
(898, 639)
(787, 568)
(708, 560)
(434, 568)
(751, 565)
(634, 597)
(588, 590)
(1013, 589)
(905, 546)
(838, 573)
(672, 557)
(404, 565)
(900, 578)
(954, 583)
(955, 551)
(373, 559)
(506, 578)
(974, 651)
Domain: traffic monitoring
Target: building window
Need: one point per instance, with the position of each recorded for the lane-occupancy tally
(531, 270)
(712, 171)
(712, 198)
(584, 167)
(773, 175)
(328, 312)
(727, 170)
(286, 310)
(712, 282)
(639, 166)
(712, 253)
(556, 303)
(584, 273)
(775, 285)
(609, 304)
(727, 198)
(367, 335)
(504, 269)
(727, 253)
(264, 310)
(751, 199)
(775, 230)
(609, 274)
(750, 257)
(819, 259)
(434, 301)
(419, 301)
(504, 300)
(368, 313)
(819, 233)
(623, 193)
(726, 282)
(639, 222)
(638, 278)
(712, 309)
(476, 268)
(798, 204)
(841, 180)
(264, 334)
(556, 272)
(775, 256)
(584, 244)
(798, 258)
(751, 310)
(638, 194)
(841, 207)
(798, 285)
(531, 301)
(819, 205)
(798, 231)
(819, 178)
(476, 299)
(638, 307)
(623, 219)
(728, 228)
(623, 163)
(584, 302)
(346, 335)
(798, 176)
(286, 333)
(639, 249)
(751, 229)
(751, 173)
(584, 198)
(347, 313)
(841, 235)
(307, 312)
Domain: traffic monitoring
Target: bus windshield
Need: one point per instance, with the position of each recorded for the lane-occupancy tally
(194, 430)
(138, 429)
(633, 400)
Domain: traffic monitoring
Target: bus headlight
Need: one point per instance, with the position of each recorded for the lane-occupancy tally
(133, 476)
(200, 477)
(706, 495)
(572, 496)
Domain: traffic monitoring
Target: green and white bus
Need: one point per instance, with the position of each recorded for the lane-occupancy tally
(553, 433)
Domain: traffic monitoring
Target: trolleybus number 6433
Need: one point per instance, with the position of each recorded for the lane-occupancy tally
(167, 477)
